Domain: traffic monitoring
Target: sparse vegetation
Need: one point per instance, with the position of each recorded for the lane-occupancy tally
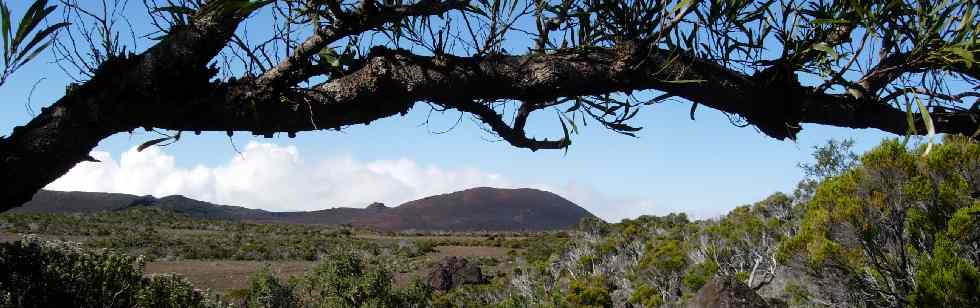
(889, 228)
(894, 227)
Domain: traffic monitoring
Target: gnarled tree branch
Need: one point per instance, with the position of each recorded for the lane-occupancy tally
(171, 86)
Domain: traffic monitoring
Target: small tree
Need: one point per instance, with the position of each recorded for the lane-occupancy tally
(744, 242)
(267, 291)
(344, 280)
(897, 226)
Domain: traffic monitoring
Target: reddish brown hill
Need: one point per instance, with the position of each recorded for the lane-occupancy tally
(490, 209)
(481, 208)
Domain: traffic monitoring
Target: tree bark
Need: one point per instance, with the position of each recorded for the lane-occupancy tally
(64, 133)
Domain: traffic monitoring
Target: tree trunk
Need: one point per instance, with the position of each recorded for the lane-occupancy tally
(121, 89)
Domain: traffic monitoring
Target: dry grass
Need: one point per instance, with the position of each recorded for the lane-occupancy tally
(225, 275)
(13, 237)
(448, 238)
(468, 251)
(9, 237)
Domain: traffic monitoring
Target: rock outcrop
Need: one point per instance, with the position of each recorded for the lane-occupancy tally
(726, 292)
(453, 272)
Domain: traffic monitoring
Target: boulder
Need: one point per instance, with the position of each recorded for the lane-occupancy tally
(453, 272)
(377, 207)
(726, 292)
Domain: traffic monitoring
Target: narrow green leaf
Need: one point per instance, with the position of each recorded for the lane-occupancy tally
(964, 54)
(623, 127)
(38, 37)
(571, 122)
(31, 19)
(930, 128)
(564, 128)
(477, 10)
(32, 55)
(658, 99)
(824, 47)
(178, 10)
(966, 21)
(681, 5)
(829, 21)
(910, 119)
(329, 57)
(5, 20)
(151, 143)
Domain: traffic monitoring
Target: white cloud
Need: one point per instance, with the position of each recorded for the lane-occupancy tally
(272, 177)
(615, 208)
(278, 178)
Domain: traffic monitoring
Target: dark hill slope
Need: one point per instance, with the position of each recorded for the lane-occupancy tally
(474, 209)
(48, 201)
(481, 209)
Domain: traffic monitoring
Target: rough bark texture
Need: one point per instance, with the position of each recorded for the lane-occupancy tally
(64, 133)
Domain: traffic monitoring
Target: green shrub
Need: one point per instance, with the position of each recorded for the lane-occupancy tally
(698, 274)
(946, 280)
(646, 296)
(265, 290)
(170, 291)
(36, 273)
(589, 292)
(344, 280)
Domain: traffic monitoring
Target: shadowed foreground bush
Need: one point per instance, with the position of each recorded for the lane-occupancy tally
(341, 280)
(36, 273)
(39, 273)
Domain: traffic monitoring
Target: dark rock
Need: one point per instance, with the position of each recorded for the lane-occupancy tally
(146, 200)
(453, 272)
(726, 292)
(377, 207)
(777, 303)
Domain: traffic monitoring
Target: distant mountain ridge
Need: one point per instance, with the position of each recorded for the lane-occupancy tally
(482, 208)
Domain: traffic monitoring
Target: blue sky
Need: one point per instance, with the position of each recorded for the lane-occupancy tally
(703, 167)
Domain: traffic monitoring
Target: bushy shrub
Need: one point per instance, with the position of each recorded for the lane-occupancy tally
(698, 274)
(646, 296)
(898, 228)
(266, 291)
(169, 290)
(592, 292)
(36, 273)
(344, 280)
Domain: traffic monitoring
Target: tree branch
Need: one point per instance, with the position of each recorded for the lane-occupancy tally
(64, 133)
(296, 67)
(391, 81)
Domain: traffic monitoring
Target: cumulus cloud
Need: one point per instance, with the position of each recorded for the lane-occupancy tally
(272, 177)
(614, 208)
(278, 178)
